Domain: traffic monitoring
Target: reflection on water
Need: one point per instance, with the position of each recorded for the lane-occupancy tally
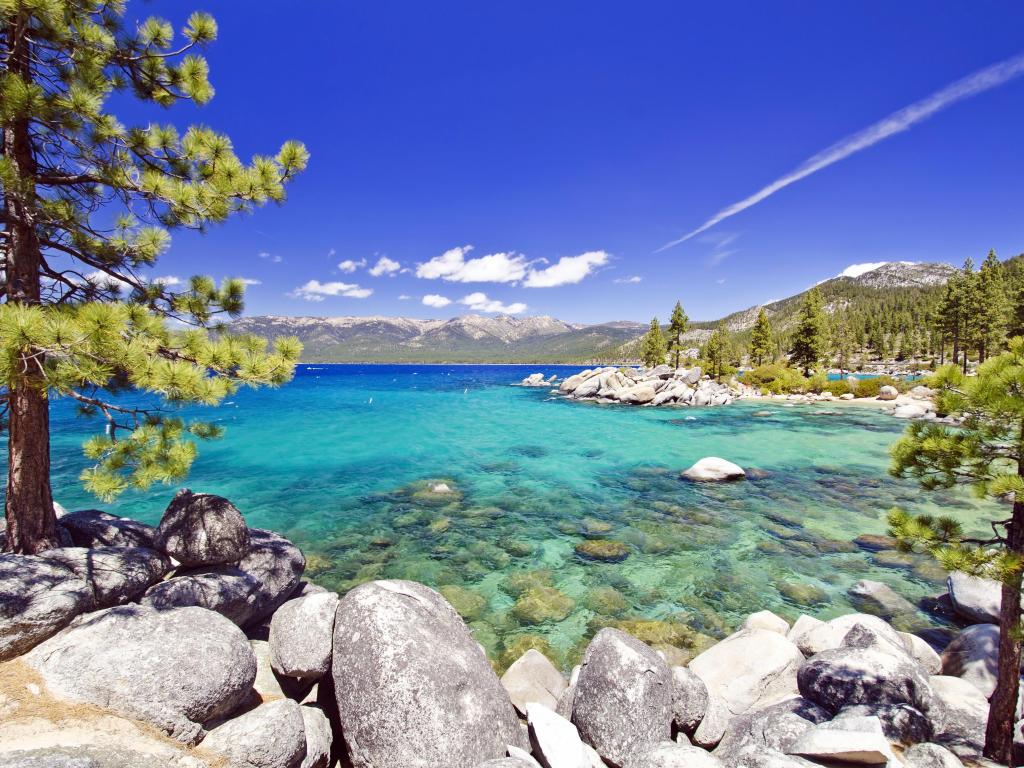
(543, 520)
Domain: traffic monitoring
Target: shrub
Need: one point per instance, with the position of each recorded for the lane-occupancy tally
(838, 387)
(818, 383)
(870, 387)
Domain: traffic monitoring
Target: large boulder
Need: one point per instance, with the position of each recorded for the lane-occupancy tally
(749, 669)
(930, 756)
(846, 742)
(272, 735)
(302, 634)
(623, 698)
(959, 715)
(246, 593)
(689, 699)
(532, 678)
(888, 392)
(92, 528)
(766, 620)
(922, 653)
(318, 738)
(38, 598)
(668, 754)
(845, 677)
(900, 722)
(554, 740)
(712, 469)
(413, 688)
(115, 575)
(775, 727)
(202, 529)
(813, 636)
(974, 598)
(176, 669)
(974, 656)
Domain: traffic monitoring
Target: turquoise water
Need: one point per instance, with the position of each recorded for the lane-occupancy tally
(342, 460)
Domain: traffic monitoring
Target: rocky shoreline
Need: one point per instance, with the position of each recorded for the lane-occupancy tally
(197, 644)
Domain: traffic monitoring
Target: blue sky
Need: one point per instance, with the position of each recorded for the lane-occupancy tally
(566, 142)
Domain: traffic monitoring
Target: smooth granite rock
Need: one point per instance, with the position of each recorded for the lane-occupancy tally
(775, 727)
(922, 653)
(974, 657)
(554, 740)
(671, 755)
(849, 742)
(318, 738)
(115, 575)
(974, 598)
(766, 620)
(930, 756)
(272, 735)
(533, 678)
(689, 699)
(714, 469)
(202, 529)
(302, 635)
(93, 528)
(959, 715)
(845, 677)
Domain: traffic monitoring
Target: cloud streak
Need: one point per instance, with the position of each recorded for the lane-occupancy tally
(899, 121)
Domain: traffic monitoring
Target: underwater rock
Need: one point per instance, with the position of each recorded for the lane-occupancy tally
(872, 542)
(802, 594)
(592, 528)
(470, 605)
(604, 550)
(542, 604)
(607, 601)
(520, 582)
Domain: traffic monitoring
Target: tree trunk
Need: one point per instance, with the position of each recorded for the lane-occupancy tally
(31, 522)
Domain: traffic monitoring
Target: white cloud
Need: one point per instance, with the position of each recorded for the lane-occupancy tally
(899, 121)
(404, 297)
(631, 280)
(567, 270)
(250, 281)
(348, 266)
(314, 290)
(271, 257)
(453, 266)
(856, 270)
(480, 303)
(436, 301)
(385, 266)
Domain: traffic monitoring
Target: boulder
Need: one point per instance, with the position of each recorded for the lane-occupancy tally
(888, 392)
(775, 727)
(301, 635)
(412, 685)
(202, 529)
(554, 740)
(974, 598)
(638, 394)
(714, 724)
(846, 741)
(974, 656)
(522, 755)
(930, 756)
(766, 620)
(879, 599)
(667, 754)
(272, 735)
(845, 677)
(277, 565)
(623, 698)
(900, 722)
(318, 734)
(922, 392)
(771, 758)
(911, 411)
(92, 528)
(508, 762)
(689, 699)
(114, 575)
(532, 678)
(176, 669)
(959, 715)
(801, 627)
(38, 598)
(829, 635)
(749, 669)
(713, 469)
(922, 653)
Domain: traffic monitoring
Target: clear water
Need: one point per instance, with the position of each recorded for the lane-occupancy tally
(342, 460)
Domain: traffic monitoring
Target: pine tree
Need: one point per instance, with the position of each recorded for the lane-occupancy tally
(810, 339)
(716, 352)
(761, 347)
(992, 307)
(842, 348)
(987, 452)
(676, 328)
(88, 202)
(652, 345)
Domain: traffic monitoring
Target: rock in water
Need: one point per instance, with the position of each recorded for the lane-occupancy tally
(301, 635)
(413, 688)
(176, 669)
(202, 529)
(712, 468)
(270, 736)
(115, 575)
(92, 528)
(975, 599)
(532, 678)
(38, 598)
(750, 668)
(623, 699)
(878, 599)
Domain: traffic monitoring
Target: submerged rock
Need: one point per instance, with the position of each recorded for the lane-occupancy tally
(542, 604)
(604, 550)
(712, 468)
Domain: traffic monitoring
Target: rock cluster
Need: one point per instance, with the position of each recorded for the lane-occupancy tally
(662, 385)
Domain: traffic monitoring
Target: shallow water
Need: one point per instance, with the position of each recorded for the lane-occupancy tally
(342, 460)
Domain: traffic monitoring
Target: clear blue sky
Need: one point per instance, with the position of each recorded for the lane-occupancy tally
(550, 130)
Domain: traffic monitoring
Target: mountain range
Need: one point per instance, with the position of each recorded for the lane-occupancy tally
(482, 339)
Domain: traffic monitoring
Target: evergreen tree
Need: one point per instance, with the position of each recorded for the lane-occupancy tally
(810, 339)
(652, 345)
(761, 347)
(987, 452)
(88, 202)
(842, 348)
(676, 328)
(992, 308)
(716, 352)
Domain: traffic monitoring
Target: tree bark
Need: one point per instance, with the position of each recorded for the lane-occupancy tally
(28, 507)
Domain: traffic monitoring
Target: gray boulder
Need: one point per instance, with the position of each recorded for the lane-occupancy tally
(846, 741)
(532, 678)
(623, 700)
(277, 565)
(38, 598)
(714, 724)
(975, 599)
(318, 738)
(846, 677)
(714, 469)
(776, 727)
(115, 575)
(930, 756)
(813, 637)
(771, 758)
(176, 669)
(412, 685)
(301, 635)
(507, 762)
(766, 620)
(92, 528)
(202, 529)
(879, 599)
(960, 714)
(668, 754)
(922, 653)
(900, 722)
(974, 656)
(749, 669)
(554, 740)
(272, 735)
(689, 699)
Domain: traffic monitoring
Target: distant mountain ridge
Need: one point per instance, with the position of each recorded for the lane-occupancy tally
(543, 339)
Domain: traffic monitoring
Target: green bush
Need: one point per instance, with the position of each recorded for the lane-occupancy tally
(818, 383)
(776, 379)
(839, 387)
(870, 387)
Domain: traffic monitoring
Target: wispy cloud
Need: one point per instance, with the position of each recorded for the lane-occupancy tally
(897, 122)
(271, 257)
(385, 266)
(631, 280)
(348, 266)
(568, 270)
(480, 303)
(314, 290)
